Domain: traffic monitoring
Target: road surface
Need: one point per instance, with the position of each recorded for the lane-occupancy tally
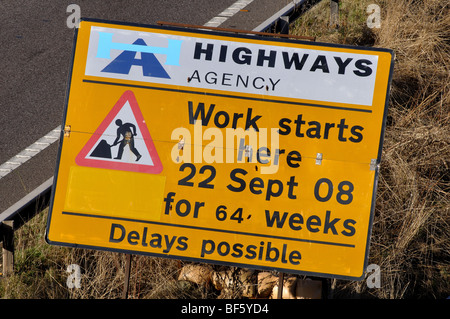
(36, 56)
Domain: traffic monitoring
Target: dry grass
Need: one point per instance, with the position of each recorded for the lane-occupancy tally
(411, 234)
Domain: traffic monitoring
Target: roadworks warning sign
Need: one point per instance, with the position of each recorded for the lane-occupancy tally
(221, 148)
(123, 126)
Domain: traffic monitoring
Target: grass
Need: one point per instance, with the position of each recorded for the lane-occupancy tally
(41, 271)
(410, 240)
(411, 234)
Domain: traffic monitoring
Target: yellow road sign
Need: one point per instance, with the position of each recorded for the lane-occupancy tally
(219, 148)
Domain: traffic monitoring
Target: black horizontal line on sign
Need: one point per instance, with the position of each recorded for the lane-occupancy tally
(229, 96)
(211, 229)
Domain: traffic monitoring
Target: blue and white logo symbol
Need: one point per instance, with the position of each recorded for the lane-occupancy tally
(151, 67)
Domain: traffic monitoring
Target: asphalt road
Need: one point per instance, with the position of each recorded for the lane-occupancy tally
(35, 59)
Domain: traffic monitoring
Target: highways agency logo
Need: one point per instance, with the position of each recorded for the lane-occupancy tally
(125, 60)
(131, 56)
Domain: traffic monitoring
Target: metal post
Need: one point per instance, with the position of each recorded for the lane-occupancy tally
(334, 14)
(7, 237)
(127, 277)
(332, 288)
(280, 285)
(283, 25)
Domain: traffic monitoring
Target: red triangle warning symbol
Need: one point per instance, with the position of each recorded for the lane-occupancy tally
(122, 141)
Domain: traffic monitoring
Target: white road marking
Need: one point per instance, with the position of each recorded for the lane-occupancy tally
(227, 13)
(32, 150)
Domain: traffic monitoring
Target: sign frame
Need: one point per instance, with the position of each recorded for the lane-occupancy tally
(204, 33)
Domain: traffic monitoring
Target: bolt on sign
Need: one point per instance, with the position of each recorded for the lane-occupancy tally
(221, 148)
